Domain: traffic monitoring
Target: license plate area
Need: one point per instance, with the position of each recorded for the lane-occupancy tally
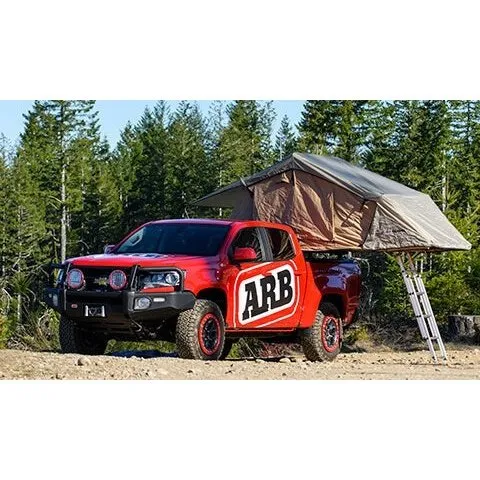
(94, 311)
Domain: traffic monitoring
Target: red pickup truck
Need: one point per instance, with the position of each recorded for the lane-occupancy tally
(203, 284)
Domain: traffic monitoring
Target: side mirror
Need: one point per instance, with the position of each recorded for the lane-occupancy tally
(244, 254)
(108, 248)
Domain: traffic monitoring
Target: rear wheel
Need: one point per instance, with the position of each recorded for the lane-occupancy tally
(200, 332)
(323, 340)
(74, 340)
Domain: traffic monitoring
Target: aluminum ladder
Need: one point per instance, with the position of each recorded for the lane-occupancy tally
(421, 306)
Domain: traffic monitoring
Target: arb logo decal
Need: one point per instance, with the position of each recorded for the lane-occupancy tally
(264, 295)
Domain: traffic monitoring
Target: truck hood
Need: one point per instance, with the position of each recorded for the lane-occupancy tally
(140, 259)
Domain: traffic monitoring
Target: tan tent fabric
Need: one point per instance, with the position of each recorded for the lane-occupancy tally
(322, 212)
(334, 205)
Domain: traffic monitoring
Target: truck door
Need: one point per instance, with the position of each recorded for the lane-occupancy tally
(266, 290)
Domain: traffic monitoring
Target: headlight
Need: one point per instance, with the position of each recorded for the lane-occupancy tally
(75, 278)
(172, 279)
(161, 279)
(117, 280)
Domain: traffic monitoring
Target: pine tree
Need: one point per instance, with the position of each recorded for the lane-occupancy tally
(285, 142)
(123, 169)
(75, 126)
(350, 129)
(27, 236)
(409, 142)
(140, 169)
(102, 210)
(6, 155)
(189, 174)
(380, 124)
(334, 127)
(6, 259)
(317, 127)
(245, 143)
(429, 140)
(216, 123)
(59, 143)
(464, 175)
(162, 164)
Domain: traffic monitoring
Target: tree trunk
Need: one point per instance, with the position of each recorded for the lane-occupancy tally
(63, 190)
(19, 308)
(63, 227)
(463, 326)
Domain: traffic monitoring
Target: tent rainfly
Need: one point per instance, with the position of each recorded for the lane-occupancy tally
(334, 205)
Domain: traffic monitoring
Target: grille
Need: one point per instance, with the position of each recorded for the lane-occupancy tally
(96, 279)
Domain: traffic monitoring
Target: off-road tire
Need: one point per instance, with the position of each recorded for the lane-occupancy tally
(200, 332)
(226, 348)
(323, 340)
(74, 340)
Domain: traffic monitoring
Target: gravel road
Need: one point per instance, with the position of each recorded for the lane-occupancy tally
(17, 364)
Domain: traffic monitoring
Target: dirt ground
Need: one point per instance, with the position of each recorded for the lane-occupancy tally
(463, 363)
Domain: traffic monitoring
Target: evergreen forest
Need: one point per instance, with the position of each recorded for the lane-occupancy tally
(64, 191)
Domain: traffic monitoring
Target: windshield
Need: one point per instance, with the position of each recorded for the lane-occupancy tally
(176, 238)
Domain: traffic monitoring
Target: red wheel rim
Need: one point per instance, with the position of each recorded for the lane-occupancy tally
(330, 333)
(209, 334)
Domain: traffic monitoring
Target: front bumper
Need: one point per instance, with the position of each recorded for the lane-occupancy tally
(114, 313)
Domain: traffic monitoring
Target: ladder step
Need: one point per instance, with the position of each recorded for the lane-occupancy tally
(424, 316)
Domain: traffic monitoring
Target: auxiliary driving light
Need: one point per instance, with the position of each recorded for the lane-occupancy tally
(117, 280)
(142, 303)
(75, 278)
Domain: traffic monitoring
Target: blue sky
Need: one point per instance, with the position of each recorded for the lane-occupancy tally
(114, 114)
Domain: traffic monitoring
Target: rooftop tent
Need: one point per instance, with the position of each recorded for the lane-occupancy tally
(334, 205)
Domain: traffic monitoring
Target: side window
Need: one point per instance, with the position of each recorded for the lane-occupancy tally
(249, 237)
(281, 244)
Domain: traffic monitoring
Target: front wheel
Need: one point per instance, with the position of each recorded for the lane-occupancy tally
(200, 332)
(323, 340)
(74, 340)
